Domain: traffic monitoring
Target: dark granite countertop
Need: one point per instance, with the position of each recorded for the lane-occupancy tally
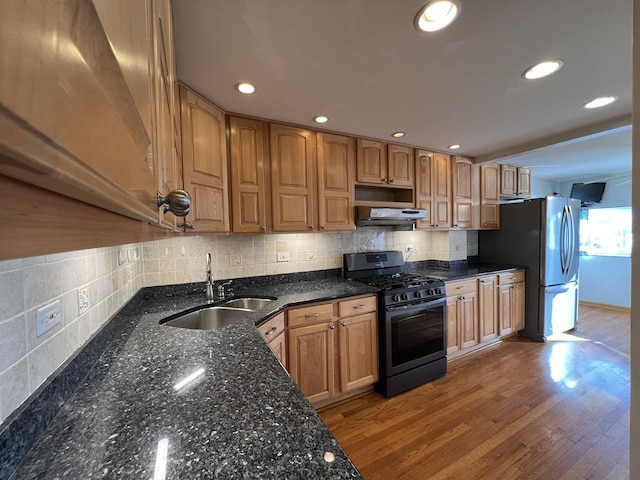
(460, 273)
(242, 417)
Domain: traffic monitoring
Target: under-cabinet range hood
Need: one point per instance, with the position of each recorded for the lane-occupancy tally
(367, 216)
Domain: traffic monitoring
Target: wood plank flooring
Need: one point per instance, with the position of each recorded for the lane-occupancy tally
(520, 409)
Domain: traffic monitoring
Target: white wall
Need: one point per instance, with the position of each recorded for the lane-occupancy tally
(541, 187)
(606, 280)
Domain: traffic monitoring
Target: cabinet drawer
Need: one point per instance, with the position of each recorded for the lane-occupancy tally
(511, 277)
(463, 286)
(307, 315)
(272, 327)
(357, 306)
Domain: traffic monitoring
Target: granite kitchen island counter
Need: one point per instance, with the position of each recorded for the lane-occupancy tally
(241, 416)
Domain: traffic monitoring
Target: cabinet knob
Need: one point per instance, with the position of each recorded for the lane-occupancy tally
(383, 179)
(312, 227)
(359, 307)
(263, 228)
(484, 224)
(323, 227)
(189, 226)
(176, 202)
(391, 180)
(332, 326)
(455, 224)
(343, 324)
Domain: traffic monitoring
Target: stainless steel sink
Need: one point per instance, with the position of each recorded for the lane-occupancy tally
(250, 303)
(207, 318)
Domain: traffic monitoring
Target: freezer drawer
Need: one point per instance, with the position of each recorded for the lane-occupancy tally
(559, 308)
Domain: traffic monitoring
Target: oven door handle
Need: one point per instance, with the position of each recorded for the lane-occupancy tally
(418, 306)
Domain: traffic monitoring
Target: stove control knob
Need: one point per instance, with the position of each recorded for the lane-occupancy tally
(419, 294)
(396, 298)
(405, 296)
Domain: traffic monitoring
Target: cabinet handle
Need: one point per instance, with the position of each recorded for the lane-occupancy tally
(455, 224)
(272, 331)
(189, 226)
(312, 227)
(323, 227)
(383, 179)
(332, 326)
(460, 287)
(391, 180)
(263, 228)
(359, 307)
(313, 315)
(484, 224)
(343, 324)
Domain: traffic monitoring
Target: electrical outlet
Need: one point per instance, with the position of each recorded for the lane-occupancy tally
(283, 256)
(235, 260)
(83, 300)
(410, 248)
(48, 317)
(311, 255)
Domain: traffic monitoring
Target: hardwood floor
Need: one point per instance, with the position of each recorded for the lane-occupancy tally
(520, 409)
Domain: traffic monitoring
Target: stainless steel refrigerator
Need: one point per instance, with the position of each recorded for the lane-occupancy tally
(541, 234)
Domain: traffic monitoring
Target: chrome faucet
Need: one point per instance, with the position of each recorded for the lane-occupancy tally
(222, 293)
(209, 283)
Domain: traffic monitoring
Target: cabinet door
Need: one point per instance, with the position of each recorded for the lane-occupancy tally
(205, 162)
(453, 326)
(490, 196)
(468, 317)
(75, 110)
(506, 309)
(358, 342)
(524, 182)
(400, 165)
(517, 305)
(462, 193)
(293, 175)
(508, 180)
(371, 162)
(279, 347)
(249, 167)
(311, 360)
(424, 187)
(336, 159)
(433, 189)
(488, 308)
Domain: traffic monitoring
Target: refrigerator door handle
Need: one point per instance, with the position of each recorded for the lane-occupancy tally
(563, 235)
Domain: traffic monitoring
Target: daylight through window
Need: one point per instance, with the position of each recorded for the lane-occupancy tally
(605, 231)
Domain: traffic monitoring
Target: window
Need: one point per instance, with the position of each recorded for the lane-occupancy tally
(605, 231)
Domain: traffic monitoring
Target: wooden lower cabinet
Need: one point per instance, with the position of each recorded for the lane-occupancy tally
(511, 302)
(481, 311)
(334, 358)
(273, 332)
(462, 315)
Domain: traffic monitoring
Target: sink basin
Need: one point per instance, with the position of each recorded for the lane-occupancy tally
(206, 318)
(248, 303)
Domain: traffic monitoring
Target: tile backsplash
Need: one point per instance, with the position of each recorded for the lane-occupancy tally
(99, 281)
(93, 284)
(181, 259)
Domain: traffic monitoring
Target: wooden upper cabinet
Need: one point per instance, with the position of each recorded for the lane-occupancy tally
(204, 162)
(76, 110)
(293, 175)
(463, 190)
(386, 165)
(400, 166)
(508, 180)
(433, 189)
(371, 162)
(249, 155)
(336, 159)
(524, 182)
(490, 196)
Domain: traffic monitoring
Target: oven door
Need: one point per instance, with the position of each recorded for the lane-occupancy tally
(413, 336)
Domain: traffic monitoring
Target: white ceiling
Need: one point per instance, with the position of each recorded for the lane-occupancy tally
(363, 64)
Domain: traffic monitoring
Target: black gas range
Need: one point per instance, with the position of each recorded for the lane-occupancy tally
(411, 320)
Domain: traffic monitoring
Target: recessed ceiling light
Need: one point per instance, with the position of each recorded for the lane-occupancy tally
(246, 88)
(455, 146)
(542, 69)
(437, 14)
(600, 102)
(398, 134)
(321, 119)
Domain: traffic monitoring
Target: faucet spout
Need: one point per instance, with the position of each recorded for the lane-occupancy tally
(209, 292)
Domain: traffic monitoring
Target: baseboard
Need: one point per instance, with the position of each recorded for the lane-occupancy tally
(618, 308)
